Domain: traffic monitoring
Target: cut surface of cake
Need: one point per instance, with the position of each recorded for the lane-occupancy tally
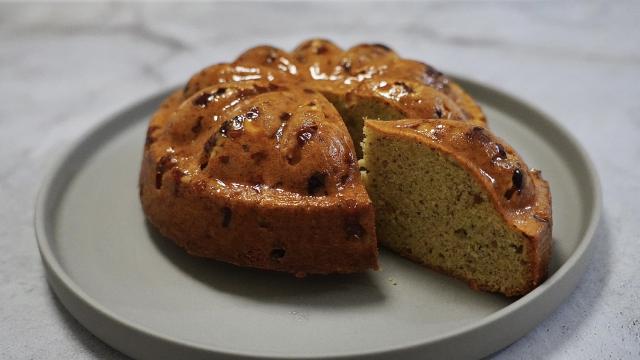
(452, 196)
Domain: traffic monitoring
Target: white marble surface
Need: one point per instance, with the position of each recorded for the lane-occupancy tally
(63, 68)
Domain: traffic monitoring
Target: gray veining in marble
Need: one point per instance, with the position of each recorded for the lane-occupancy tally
(63, 68)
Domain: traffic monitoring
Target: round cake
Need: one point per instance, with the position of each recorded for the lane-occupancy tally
(255, 162)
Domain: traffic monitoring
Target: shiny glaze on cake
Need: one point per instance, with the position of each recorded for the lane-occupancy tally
(374, 71)
(263, 136)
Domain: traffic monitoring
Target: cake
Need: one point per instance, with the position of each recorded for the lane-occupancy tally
(255, 162)
(454, 197)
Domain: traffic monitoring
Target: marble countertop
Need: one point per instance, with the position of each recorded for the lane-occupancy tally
(63, 68)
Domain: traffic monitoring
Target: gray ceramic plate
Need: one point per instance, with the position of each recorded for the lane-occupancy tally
(146, 297)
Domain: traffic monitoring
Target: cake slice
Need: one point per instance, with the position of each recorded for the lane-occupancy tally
(452, 196)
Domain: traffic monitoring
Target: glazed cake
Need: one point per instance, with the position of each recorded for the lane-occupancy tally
(452, 196)
(255, 162)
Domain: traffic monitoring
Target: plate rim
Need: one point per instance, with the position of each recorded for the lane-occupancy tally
(67, 290)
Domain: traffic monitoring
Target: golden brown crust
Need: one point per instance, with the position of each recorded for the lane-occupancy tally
(300, 236)
(519, 194)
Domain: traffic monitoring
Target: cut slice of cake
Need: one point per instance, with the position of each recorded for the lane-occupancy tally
(452, 196)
